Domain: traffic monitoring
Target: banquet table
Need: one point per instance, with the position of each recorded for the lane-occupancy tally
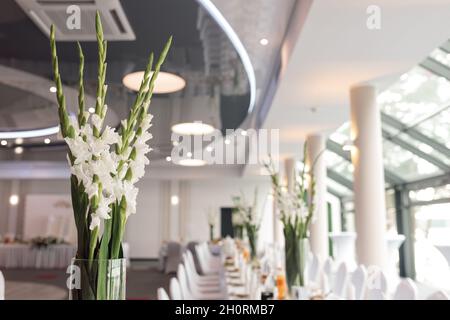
(18, 255)
(18, 290)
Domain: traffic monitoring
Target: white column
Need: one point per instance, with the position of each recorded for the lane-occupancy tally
(317, 165)
(369, 190)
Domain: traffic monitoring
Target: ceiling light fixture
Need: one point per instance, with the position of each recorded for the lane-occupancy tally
(192, 128)
(18, 150)
(18, 141)
(165, 83)
(264, 42)
(4, 142)
(33, 133)
(47, 141)
(91, 110)
(52, 89)
(192, 162)
(168, 158)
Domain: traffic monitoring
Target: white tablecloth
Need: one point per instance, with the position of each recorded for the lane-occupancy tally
(26, 256)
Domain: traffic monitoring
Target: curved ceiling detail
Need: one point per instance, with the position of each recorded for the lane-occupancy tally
(39, 86)
(231, 34)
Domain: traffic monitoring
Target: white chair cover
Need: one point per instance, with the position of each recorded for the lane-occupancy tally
(2, 286)
(162, 294)
(438, 295)
(359, 281)
(314, 269)
(182, 279)
(406, 290)
(175, 289)
(341, 281)
(375, 294)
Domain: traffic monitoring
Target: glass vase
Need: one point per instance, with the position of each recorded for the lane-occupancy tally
(296, 253)
(253, 243)
(97, 279)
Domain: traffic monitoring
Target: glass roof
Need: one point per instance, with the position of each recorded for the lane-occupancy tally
(415, 96)
(416, 133)
(438, 127)
(406, 164)
(339, 165)
(441, 56)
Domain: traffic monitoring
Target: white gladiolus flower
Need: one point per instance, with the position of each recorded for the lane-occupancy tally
(96, 121)
(96, 157)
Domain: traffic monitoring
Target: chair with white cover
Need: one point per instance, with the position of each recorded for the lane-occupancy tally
(162, 294)
(406, 290)
(174, 251)
(2, 286)
(376, 284)
(328, 267)
(196, 290)
(313, 269)
(341, 281)
(375, 294)
(208, 267)
(175, 289)
(438, 295)
(207, 280)
(359, 282)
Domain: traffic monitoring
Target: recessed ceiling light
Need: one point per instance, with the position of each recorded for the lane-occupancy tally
(189, 154)
(165, 83)
(18, 141)
(14, 199)
(264, 42)
(168, 159)
(18, 150)
(4, 142)
(47, 141)
(53, 89)
(227, 141)
(91, 110)
(244, 132)
(192, 162)
(209, 149)
(192, 128)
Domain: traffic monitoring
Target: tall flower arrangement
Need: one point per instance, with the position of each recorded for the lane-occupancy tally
(105, 164)
(251, 219)
(296, 210)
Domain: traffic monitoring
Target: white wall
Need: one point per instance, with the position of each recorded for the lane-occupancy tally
(213, 194)
(153, 222)
(143, 232)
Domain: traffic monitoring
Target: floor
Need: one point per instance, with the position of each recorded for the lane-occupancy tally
(143, 279)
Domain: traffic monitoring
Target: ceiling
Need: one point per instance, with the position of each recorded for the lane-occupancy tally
(336, 50)
(202, 54)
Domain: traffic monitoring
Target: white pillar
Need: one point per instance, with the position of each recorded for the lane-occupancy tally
(369, 189)
(319, 225)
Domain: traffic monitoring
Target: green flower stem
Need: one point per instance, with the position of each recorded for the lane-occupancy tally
(66, 128)
(81, 116)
